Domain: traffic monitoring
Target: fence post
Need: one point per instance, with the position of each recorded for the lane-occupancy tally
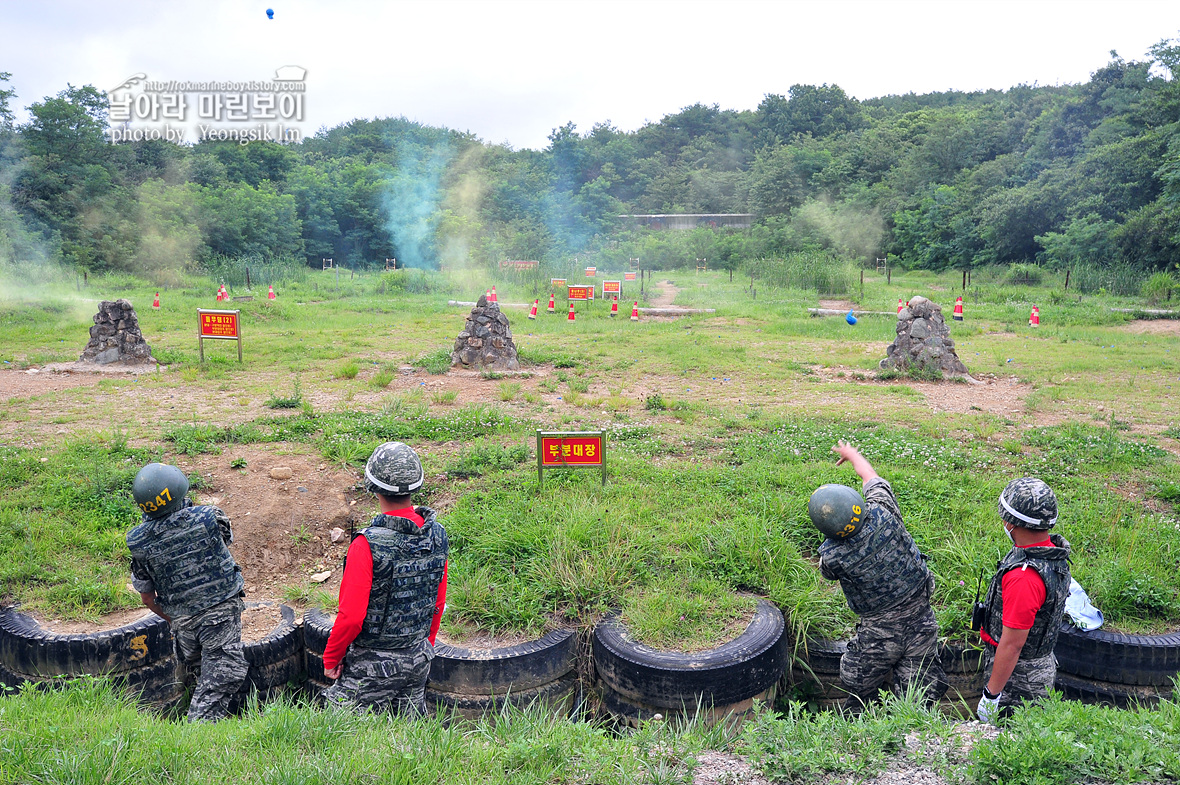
(964, 280)
(1067, 272)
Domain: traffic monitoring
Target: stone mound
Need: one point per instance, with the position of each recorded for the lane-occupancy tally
(923, 341)
(115, 336)
(486, 340)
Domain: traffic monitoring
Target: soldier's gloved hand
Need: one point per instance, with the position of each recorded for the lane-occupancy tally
(989, 707)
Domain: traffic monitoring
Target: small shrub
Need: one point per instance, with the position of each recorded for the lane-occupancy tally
(509, 390)
(381, 379)
(1159, 287)
(444, 397)
(481, 458)
(237, 463)
(435, 363)
(291, 402)
(1024, 275)
(347, 370)
(655, 403)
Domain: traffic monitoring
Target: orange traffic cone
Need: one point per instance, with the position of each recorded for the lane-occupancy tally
(493, 297)
(899, 305)
(1034, 318)
(614, 307)
(552, 308)
(270, 295)
(959, 310)
(533, 310)
(571, 318)
(487, 295)
(156, 302)
(220, 291)
(635, 311)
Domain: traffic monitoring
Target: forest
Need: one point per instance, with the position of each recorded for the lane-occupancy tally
(1084, 175)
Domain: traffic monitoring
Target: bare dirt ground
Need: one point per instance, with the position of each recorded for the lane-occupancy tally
(838, 305)
(282, 528)
(667, 294)
(21, 384)
(1153, 327)
(260, 621)
(1000, 396)
(108, 622)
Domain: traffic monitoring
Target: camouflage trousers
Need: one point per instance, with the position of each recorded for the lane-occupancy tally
(903, 643)
(209, 645)
(383, 680)
(1030, 680)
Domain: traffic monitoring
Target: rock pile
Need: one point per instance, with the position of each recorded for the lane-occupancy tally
(486, 340)
(115, 336)
(923, 342)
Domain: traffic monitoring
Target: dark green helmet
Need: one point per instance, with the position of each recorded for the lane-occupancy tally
(836, 510)
(1029, 503)
(394, 470)
(159, 489)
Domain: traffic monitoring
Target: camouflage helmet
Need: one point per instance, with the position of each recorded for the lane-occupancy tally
(159, 489)
(1029, 503)
(836, 510)
(394, 470)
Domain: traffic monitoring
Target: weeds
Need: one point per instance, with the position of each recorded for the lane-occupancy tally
(509, 390)
(290, 402)
(435, 363)
(347, 370)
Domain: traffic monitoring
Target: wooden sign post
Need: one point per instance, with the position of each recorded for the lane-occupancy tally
(218, 325)
(570, 449)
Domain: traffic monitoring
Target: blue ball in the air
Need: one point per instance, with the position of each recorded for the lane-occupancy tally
(850, 318)
(270, 13)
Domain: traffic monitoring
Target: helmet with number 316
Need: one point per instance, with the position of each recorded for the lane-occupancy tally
(836, 510)
(159, 489)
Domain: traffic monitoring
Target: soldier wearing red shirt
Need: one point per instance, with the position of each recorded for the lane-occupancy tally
(391, 597)
(1025, 602)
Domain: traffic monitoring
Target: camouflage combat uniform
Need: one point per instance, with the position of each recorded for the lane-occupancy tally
(888, 585)
(387, 664)
(183, 557)
(1036, 670)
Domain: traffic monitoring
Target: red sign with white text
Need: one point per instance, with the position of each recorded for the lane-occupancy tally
(580, 293)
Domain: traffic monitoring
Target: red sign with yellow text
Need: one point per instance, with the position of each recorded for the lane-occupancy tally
(571, 450)
(219, 325)
(557, 283)
(628, 276)
(581, 293)
(612, 287)
(590, 271)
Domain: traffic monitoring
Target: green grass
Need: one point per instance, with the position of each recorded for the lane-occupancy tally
(687, 614)
(347, 370)
(87, 733)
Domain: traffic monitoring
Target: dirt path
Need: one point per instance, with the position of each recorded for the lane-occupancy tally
(668, 293)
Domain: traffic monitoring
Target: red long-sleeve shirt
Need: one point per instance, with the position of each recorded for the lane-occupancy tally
(1023, 591)
(354, 596)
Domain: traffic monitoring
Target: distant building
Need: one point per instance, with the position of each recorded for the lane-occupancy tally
(680, 221)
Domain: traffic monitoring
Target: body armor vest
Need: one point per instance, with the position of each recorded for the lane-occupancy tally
(879, 566)
(190, 565)
(1051, 563)
(408, 563)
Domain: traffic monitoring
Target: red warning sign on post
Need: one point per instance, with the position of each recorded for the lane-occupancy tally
(564, 450)
(628, 276)
(611, 287)
(591, 272)
(557, 283)
(580, 292)
(219, 324)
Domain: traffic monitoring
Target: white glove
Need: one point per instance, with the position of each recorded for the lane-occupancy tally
(989, 708)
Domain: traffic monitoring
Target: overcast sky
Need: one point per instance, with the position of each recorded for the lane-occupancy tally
(513, 71)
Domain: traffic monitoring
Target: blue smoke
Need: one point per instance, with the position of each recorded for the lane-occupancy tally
(411, 197)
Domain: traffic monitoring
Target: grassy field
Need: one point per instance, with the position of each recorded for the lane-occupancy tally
(719, 429)
(87, 734)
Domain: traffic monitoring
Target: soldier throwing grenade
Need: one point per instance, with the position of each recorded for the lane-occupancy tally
(886, 582)
(182, 568)
(391, 596)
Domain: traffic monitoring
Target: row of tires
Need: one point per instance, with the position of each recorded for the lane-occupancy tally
(633, 681)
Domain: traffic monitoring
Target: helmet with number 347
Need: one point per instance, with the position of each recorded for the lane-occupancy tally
(159, 489)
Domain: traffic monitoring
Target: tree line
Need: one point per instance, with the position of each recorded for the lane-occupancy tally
(1049, 175)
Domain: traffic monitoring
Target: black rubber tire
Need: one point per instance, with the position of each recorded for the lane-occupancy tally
(626, 711)
(814, 675)
(159, 684)
(317, 625)
(275, 662)
(964, 671)
(526, 666)
(737, 670)
(1110, 693)
(1133, 660)
(558, 694)
(27, 648)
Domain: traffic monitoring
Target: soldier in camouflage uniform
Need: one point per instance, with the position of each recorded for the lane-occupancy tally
(183, 570)
(886, 583)
(392, 595)
(1025, 602)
